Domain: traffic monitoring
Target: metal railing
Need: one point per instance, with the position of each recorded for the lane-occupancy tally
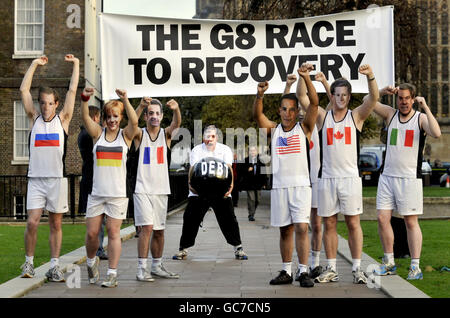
(13, 195)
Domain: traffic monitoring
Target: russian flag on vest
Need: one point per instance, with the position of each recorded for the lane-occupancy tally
(46, 140)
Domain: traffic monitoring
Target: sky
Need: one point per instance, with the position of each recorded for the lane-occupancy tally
(182, 9)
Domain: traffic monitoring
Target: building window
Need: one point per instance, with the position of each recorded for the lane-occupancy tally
(434, 66)
(445, 100)
(29, 28)
(444, 25)
(445, 64)
(22, 127)
(434, 99)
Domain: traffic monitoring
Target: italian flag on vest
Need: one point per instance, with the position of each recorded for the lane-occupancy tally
(409, 138)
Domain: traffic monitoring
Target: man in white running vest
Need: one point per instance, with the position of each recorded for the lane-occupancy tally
(340, 186)
(291, 188)
(47, 187)
(400, 184)
(314, 154)
(152, 185)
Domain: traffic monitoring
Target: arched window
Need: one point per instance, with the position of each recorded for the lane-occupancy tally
(444, 64)
(444, 25)
(434, 99)
(445, 100)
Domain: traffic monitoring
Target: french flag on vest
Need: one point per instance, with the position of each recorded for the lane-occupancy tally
(338, 135)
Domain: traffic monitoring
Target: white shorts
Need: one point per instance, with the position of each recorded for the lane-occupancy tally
(342, 195)
(314, 195)
(400, 194)
(115, 208)
(48, 193)
(150, 209)
(290, 205)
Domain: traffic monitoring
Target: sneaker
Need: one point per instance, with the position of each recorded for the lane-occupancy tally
(144, 276)
(305, 280)
(359, 277)
(93, 274)
(251, 218)
(240, 254)
(103, 256)
(281, 279)
(329, 275)
(160, 271)
(313, 273)
(111, 281)
(415, 273)
(182, 254)
(27, 270)
(55, 275)
(385, 269)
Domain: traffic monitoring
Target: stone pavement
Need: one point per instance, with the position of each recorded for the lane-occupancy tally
(210, 271)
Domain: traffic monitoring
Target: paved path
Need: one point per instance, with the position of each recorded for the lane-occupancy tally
(211, 271)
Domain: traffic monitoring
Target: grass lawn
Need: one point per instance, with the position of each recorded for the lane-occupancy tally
(12, 250)
(427, 191)
(435, 253)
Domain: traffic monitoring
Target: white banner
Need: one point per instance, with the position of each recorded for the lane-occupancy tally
(162, 57)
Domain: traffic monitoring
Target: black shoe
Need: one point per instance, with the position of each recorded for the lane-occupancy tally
(251, 218)
(305, 280)
(316, 272)
(103, 256)
(281, 279)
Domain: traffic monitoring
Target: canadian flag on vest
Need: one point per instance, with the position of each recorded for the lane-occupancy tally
(338, 135)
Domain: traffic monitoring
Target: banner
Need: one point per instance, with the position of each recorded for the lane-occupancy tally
(162, 57)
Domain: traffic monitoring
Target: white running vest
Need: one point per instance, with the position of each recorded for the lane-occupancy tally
(314, 155)
(110, 171)
(290, 155)
(47, 148)
(339, 147)
(404, 148)
(153, 171)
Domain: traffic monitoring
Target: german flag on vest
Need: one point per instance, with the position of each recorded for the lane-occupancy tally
(109, 156)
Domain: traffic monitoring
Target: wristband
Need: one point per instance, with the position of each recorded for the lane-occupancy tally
(85, 98)
(371, 79)
(259, 97)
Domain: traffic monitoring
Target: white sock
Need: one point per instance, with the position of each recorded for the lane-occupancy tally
(310, 259)
(415, 262)
(389, 258)
(287, 267)
(315, 259)
(156, 262)
(142, 262)
(112, 271)
(356, 264)
(29, 259)
(90, 261)
(54, 262)
(302, 268)
(332, 263)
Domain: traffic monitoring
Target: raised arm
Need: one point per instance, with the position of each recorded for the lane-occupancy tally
(132, 128)
(428, 122)
(320, 77)
(258, 115)
(69, 103)
(363, 111)
(302, 93)
(27, 99)
(384, 111)
(291, 78)
(93, 129)
(176, 117)
(312, 110)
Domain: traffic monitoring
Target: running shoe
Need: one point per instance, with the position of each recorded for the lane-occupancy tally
(359, 277)
(55, 275)
(143, 275)
(93, 273)
(386, 269)
(240, 254)
(305, 280)
(329, 275)
(313, 273)
(111, 281)
(27, 270)
(160, 271)
(182, 254)
(282, 278)
(415, 273)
